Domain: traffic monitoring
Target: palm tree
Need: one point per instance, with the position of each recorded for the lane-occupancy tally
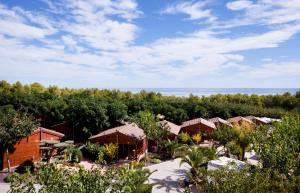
(196, 157)
(171, 146)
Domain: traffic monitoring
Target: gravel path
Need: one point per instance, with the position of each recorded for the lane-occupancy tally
(4, 187)
(168, 173)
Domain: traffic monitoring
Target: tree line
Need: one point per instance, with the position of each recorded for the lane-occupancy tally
(92, 110)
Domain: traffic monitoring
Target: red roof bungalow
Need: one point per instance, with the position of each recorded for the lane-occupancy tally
(239, 120)
(195, 126)
(256, 120)
(28, 148)
(220, 122)
(131, 139)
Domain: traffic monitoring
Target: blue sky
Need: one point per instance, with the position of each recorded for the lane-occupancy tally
(157, 43)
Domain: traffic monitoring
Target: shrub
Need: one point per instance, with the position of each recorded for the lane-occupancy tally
(111, 151)
(26, 165)
(8, 178)
(196, 138)
(76, 156)
(184, 137)
(94, 152)
(156, 161)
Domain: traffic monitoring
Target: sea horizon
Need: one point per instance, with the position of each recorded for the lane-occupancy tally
(210, 91)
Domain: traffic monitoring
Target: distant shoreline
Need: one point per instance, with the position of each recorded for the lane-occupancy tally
(212, 91)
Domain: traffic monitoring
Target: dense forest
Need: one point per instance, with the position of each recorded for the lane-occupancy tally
(92, 110)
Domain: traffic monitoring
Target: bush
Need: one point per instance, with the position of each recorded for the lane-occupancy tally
(76, 156)
(196, 138)
(184, 137)
(26, 165)
(155, 161)
(94, 152)
(8, 178)
(111, 151)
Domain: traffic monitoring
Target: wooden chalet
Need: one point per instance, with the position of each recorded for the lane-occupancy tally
(196, 126)
(173, 128)
(257, 120)
(219, 122)
(239, 120)
(28, 148)
(130, 138)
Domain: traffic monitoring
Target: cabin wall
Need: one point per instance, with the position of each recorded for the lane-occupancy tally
(195, 129)
(27, 148)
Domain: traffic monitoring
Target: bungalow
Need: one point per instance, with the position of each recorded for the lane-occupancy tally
(239, 120)
(28, 148)
(130, 138)
(220, 122)
(257, 120)
(198, 125)
(173, 128)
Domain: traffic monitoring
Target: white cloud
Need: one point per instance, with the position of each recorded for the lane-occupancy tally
(263, 12)
(269, 70)
(95, 43)
(195, 10)
(239, 5)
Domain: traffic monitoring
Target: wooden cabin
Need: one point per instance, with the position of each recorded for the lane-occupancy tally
(219, 122)
(256, 120)
(196, 126)
(173, 129)
(130, 138)
(239, 120)
(28, 148)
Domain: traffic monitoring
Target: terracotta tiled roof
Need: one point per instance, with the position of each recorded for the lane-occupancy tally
(131, 130)
(173, 127)
(219, 120)
(197, 121)
(51, 132)
(237, 119)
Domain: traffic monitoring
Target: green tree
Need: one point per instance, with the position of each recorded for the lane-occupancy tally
(13, 127)
(196, 157)
(51, 179)
(278, 146)
(154, 130)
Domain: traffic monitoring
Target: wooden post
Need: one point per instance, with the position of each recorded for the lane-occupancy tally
(8, 161)
(118, 144)
(136, 155)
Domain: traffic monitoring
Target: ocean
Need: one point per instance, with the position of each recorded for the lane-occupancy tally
(213, 91)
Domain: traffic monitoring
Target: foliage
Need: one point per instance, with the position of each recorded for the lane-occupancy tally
(236, 139)
(51, 179)
(111, 151)
(90, 111)
(196, 157)
(8, 178)
(184, 137)
(94, 152)
(171, 146)
(196, 138)
(231, 181)
(133, 180)
(154, 130)
(278, 146)
(13, 127)
(27, 165)
(155, 161)
(76, 155)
